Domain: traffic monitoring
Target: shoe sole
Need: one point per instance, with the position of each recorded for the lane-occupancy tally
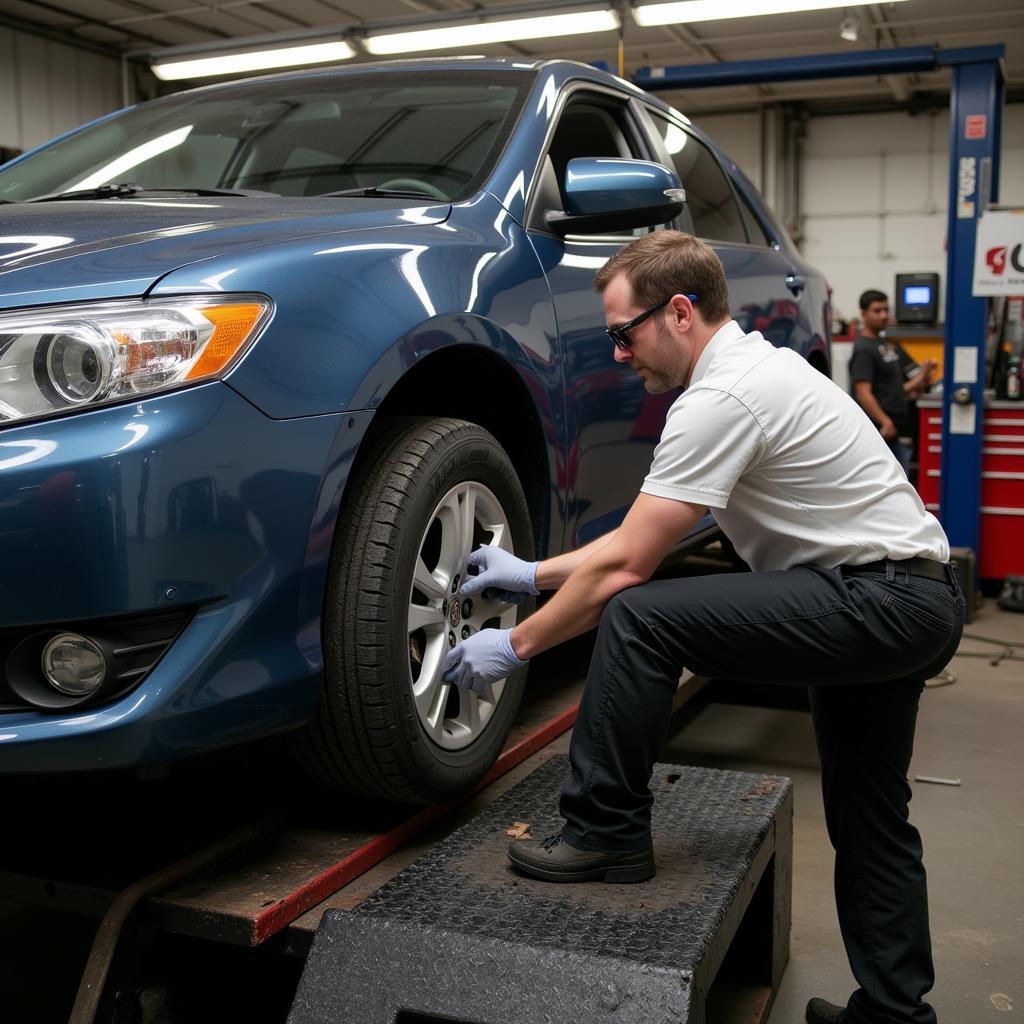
(618, 873)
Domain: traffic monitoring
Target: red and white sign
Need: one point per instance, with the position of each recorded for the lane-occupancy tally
(975, 126)
(999, 253)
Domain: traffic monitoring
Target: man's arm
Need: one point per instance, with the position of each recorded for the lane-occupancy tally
(920, 381)
(628, 557)
(553, 572)
(867, 401)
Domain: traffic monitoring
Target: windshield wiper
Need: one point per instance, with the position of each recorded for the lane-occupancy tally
(382, 193)
(129, 190)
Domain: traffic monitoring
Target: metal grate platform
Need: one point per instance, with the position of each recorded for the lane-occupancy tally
(460, 936)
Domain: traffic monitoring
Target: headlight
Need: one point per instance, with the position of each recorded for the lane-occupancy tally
(67, 357)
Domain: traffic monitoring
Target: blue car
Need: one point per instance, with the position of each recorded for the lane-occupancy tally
(276, 355)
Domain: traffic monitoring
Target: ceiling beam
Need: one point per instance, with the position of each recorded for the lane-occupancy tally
(899, 84)
(56, 35)
(147, 13)
(80, 21)
(684, 34)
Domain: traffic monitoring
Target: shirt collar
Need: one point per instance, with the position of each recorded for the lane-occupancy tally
(727, 333)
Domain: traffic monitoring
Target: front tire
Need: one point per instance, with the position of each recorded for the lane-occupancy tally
(429, 492)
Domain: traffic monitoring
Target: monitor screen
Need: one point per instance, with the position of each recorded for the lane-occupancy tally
(917, 294)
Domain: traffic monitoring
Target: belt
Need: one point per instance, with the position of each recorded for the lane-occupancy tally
(926, 567)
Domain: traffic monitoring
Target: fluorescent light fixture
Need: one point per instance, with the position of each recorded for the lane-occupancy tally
(481, 33)
(849, 29)
(134, 157)
(686, 11)
(255, 60)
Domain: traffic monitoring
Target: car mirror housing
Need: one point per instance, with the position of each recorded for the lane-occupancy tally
(605, 194)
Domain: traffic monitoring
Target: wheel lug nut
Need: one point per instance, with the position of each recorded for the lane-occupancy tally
(467, 609)
(465, 632)
(451, 639)
(455, 583)
(444, 609)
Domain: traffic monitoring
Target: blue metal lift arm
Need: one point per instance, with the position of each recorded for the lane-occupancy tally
(899, 60)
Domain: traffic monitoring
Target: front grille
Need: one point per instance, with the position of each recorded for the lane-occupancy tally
(137, 643)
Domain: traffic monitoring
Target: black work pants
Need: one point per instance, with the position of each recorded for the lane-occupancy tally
(864, 644)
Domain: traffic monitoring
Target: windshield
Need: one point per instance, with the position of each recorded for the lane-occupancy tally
(434, 132)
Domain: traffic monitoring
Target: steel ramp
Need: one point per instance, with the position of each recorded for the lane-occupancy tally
(460, 936)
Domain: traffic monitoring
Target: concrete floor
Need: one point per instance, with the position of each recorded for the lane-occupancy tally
(972, 730)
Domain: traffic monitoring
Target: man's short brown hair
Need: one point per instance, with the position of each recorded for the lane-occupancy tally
(665, 263)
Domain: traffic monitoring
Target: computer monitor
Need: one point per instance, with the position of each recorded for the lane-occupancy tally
(917, 298)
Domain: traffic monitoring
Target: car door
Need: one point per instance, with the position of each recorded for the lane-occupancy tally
(764, 286)
(612, 423)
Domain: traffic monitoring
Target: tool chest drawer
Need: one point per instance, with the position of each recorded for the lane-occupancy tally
(1002, 482)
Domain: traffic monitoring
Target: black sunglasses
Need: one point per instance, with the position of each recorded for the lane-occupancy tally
(620, 334)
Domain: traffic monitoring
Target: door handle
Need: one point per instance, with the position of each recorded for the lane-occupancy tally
(795, 282)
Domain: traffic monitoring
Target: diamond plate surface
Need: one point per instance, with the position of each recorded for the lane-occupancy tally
(459, 932)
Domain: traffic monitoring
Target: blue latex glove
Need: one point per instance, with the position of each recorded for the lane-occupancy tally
(500, 574)
(480, 660)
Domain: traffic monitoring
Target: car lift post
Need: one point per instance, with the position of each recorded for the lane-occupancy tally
(976, 109)
(975, 134)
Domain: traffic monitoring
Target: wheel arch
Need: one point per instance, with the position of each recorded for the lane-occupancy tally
(461, 380)
(434, 387)
(450, 366)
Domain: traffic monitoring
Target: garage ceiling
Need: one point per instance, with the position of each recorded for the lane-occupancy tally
(118, 27)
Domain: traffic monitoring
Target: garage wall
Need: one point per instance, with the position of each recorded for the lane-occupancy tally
(873, 189)
(874, 194)
(47, 88)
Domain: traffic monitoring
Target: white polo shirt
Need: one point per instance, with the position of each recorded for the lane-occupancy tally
(792, 469)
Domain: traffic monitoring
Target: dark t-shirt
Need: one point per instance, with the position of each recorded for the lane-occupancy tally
(878, 361)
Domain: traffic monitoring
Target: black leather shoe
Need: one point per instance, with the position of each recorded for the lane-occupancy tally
(554, 860)
(821, 1012)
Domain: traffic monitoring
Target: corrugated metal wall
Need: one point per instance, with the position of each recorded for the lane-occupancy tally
(47, 88)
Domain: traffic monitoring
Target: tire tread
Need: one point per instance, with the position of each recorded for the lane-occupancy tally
(355, 742)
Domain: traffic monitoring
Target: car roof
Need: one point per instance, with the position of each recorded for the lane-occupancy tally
(565, 69)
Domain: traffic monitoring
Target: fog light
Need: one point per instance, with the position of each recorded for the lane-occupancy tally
(73, 665)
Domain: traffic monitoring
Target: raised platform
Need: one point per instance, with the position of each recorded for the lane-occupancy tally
(460, 936)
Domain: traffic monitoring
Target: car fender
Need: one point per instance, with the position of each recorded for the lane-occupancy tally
(393, 387)
(360, 318)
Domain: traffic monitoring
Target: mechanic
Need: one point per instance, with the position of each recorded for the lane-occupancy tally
(885, 379)
(850, 594)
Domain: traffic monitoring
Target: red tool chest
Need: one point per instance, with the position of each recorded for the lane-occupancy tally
(1002, 481)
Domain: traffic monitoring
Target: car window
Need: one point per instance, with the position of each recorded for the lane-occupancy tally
(585, 130)
(754, 230)
(589, 129)
(709, 196)
(437, 132)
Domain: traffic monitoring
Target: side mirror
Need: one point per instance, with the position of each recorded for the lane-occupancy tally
(606, 194)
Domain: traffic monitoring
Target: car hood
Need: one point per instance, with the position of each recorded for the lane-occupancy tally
(76, 251)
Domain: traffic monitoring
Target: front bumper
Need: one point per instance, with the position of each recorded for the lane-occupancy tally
(193, 500)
